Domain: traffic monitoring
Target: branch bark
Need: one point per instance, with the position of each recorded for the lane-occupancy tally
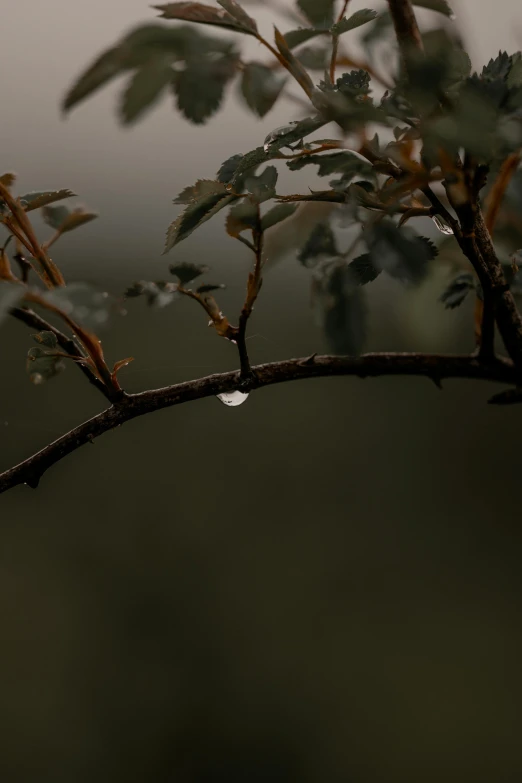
(433, 366)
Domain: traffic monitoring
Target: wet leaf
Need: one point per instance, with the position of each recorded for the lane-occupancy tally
(202, 188)
(40, 198)
(186, 272)
(197, 213)
(229, 168)
(276, 215)
(357, 19)
(260, 87)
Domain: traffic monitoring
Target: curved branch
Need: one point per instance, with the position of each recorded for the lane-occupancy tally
(432, 366)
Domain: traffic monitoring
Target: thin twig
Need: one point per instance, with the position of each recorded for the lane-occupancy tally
(253, 288)
(30, 318)
(335, 43)
(434, 367)
(484, 308)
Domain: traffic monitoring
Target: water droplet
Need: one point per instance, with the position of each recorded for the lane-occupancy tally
(441, 224)
(276, 134)
(233, 399)
(230, 186)
(37, 379)
(453, 17)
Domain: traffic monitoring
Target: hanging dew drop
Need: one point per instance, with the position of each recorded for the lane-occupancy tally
(441, 224)
(233, 399)
(276, 134)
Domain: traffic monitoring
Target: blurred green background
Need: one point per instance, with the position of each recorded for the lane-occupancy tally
(321, 585)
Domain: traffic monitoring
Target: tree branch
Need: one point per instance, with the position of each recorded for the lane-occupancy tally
(406, 27)
(432, 366)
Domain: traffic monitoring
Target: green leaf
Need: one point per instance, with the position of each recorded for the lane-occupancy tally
(347, 163)
(242, 217)
(277, 214)
(55, 216)
(262, 186)
(297, 37)
(186, 272)
(202, 14)
(319, 12)
(229, 168)
(399, 252)
(202, 188)
(197, 213)
(321, 242)
(251, 160)
(294, 132)
(242, 18)
(442, 6)
(363, 270)
(48, 339)
(498, 68)
(43, 364)
(354, 83)
(136, 49)
(314, 58)
(201, 86)
(158, 294)
(82, 303)
(357, 19)
(457, 291)
(40, 198)
(10, 295)
(295, 67)
(260, 87)
(144, 90)
(342, 309)
(63, 219)
(515, 74)
(141, 48)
